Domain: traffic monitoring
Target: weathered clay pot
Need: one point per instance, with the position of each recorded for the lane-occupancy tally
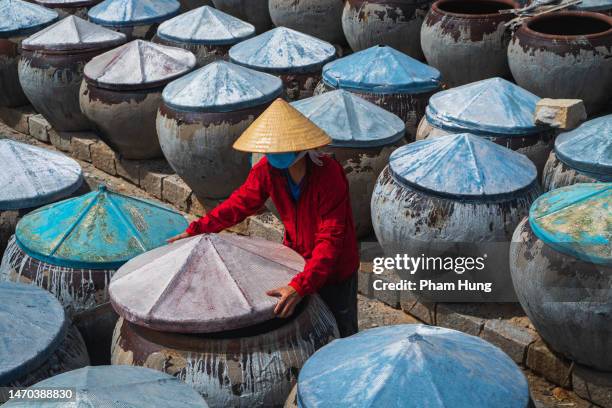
(363, 136)
(64, 8)
(207, 32)
(122, 90)
(51, 68)
(565, 55)
(254, 11)
(561, 267)
(296, 58)
(396, 23)
(467, 40)
(201, 117)
(19, 19)
(187, 5)
(137, 19)
(39, 341)
(388, 78)
(459, 195)
(319, 18)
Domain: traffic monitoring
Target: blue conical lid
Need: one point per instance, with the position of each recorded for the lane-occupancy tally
(117, 386)
(352, 121)
(222, 87)
(411, 366)
(31, 176)
(575, 220)
(491, 106)
(99, 230)
(33, 326)
(594, 5)
(588, 148)
(18, 18)
(381, 69)
(462, 165)
(206, 25)
(119, 13)
(283, 50)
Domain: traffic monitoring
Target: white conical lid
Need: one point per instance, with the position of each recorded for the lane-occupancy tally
(18, 18)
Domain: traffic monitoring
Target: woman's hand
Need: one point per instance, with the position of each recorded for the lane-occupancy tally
(182, 235)
(288, 300)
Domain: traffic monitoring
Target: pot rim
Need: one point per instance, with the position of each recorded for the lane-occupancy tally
(435, 7)
(74, 4)
(526, 27)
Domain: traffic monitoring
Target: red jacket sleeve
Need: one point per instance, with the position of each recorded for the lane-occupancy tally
(243, 202)
(333, 203)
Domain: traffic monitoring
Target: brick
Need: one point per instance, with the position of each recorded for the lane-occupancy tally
(81, 146)
(593, 385)
(266, 226)
(364, 285)
(512, 339)
(129, 170)
(425, 312)
(176, 192)
(17, 118)
(61, 140)
(152, 174)
(542, 361)
(560, 113)
(104, 158)
(196, 207)
(38, 128)
(454, 316)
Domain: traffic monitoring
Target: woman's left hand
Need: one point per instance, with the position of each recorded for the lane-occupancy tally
(288, 300)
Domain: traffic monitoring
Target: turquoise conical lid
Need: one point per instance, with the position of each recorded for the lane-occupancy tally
(411, 366)
(99, 230)
(19, 18)
(119, 13)
(576, 220)
(207, 26)
(492, 107)
(352, 121)
(588, 148)
(283, 50)
(383, 70)
(222, 87)
(462, 166)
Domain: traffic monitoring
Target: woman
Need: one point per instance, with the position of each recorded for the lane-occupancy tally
(310, 192)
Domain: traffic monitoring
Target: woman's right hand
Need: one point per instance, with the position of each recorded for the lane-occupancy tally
(182, 235)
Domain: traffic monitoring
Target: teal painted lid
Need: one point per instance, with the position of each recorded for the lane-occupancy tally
(576, 220)
(19, 18)
(350, 120)
(99, 230)
(33, 325)
(119, 13)
(206, 26)
(222, 87)
(462, 166)
(383, 70)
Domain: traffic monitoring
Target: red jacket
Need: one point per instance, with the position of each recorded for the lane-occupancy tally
(319, 226)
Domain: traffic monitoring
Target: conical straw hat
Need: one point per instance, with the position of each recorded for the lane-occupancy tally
(280, 129)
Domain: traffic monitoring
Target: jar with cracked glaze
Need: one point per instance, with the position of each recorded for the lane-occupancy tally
(253, 11)
(319, 18)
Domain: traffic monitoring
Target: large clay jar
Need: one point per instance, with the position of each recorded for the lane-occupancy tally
(296, 58)
(467, 40)
(455, 196)
(200, 118)
(319, 18)
(19, 20)
(254, 11)
(388, 78)
(51, 68)
(561, 266)
(207, 32)
(187, 5)
(495, 109)
(122, 91)
(64, 8)
(583, 155)
(396, 23)
(198, 310)
(134, 18)
(565, 55)
(363, 136)
(38, 340)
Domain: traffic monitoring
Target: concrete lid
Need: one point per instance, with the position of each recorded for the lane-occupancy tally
(491, 107)
(19, 18)
(588, 148)
(411, 366)
(575, 220)
(98, 230)
(203, 284)
(222, 87)
(138, 64)
(283, 50)
(383, 70)
(352, 121)
(31, 176)
(594, 5)
(118, 13)
(462, 166)
(118, 386)
(33, 325)
(207, 26)
(73, 34)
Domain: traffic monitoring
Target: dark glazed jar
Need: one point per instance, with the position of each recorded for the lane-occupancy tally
(253, 11)
(319, 18)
